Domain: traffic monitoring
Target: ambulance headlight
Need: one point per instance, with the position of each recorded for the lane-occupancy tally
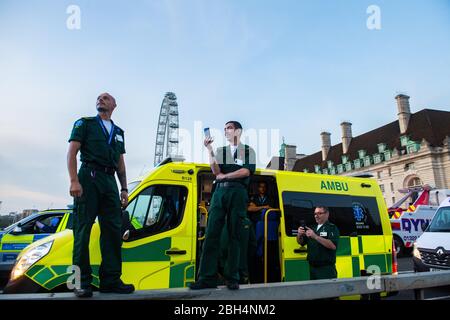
(416, 252)
(30, 258)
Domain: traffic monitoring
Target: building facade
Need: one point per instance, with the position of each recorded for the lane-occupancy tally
(412, 151)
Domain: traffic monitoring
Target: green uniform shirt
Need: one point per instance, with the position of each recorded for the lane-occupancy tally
(245, 158)
(97, 145)
(317, 253)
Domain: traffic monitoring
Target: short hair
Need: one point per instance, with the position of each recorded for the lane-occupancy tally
(263, 182)
(324, 208)
(236, 124)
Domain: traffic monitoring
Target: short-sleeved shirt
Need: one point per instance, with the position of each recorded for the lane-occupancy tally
(245, 158)
(97, 145)
(261, 201)
(317, 253)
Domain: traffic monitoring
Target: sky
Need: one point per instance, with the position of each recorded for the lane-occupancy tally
(289, 68)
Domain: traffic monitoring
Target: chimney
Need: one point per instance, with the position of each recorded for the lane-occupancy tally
(346, 135)
(326, 144)
(404, 112)
(290, 156)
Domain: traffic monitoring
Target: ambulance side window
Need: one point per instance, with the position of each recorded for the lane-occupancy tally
(157, 209)
(352, 215)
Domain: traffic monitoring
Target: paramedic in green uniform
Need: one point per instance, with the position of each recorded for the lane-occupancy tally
(101, 144)
(322, 241)
(232, 165)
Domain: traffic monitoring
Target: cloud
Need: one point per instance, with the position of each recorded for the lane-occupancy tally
(14, 196)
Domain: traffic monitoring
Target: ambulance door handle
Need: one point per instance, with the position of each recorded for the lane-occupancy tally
(175, 251)
(300, 250)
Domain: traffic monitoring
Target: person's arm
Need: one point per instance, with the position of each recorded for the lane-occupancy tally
(75, 187)
(252, 207)
(122, 175)
(325, 242)
(241, 173)
(212, 158)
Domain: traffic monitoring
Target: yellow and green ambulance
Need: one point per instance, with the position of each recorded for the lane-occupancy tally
(168, 210)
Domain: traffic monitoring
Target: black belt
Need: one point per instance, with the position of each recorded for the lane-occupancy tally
(321, 263)
(108, 170)
(230, 184)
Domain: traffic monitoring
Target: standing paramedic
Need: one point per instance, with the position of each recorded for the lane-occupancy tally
(232, 165)
(322, 241)
(101, 144)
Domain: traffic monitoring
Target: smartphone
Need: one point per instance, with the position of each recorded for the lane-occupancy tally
(207, 133)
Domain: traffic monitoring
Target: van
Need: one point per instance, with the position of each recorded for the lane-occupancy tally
(432, 249)
(168, 211)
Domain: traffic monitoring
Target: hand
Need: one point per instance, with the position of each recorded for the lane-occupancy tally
(220, 176)
(207, 142)
(301, 231)
(310, 233)
(76, 190)
(124, 198)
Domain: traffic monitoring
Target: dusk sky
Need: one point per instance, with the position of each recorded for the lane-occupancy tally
(290, 67)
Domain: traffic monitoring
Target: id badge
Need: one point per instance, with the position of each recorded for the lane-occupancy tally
(323, 234)
(239, 162)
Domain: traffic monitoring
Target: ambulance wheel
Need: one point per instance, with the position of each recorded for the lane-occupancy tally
(399, 246)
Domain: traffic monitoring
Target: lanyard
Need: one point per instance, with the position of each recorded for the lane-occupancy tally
(262, 199)
(102, 125)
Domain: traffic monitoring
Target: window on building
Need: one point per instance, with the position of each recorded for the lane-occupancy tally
(415, 182)
(387, 155)
(392, 187)
(340, 168)
(381, 147)
(357, 163)
(379, 174)
(361, 154)
(377, 158)
(409, 166)
(329, 164)
(382, 187)
(367, 161)
(344, 159)
(333, 170)
(412, 147)
(404, 140)
(348, 166)
(393, 200)
(389, 172)
(325, 171)
(305, 170)
(317, 168)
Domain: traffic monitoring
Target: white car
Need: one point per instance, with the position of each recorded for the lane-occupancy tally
(432, 249)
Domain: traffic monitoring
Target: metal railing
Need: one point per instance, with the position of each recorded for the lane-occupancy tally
(298, 290)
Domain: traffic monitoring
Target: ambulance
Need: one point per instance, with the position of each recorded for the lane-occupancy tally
(168, 210)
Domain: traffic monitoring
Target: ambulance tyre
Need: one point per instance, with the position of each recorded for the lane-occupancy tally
(399, 246)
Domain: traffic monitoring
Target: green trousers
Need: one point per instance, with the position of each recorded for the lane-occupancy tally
(100, 198)
(247, 247)
(323, 272)
(230, 205)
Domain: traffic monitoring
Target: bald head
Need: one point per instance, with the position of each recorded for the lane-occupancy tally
(106, 104)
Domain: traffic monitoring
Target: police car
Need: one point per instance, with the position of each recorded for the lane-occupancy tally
(432, 249)
(28, 230)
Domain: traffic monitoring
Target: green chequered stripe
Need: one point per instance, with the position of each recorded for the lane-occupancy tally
(356, 267)
(54, 276)
(344, 247)
(376, 259)
(360, 245)
(296, 270)
(177, 272)
(152, 251)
